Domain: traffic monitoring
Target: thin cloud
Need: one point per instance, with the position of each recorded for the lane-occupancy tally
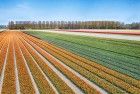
(20, 11)
(24, 6)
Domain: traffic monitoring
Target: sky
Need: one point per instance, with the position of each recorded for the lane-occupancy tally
(127, 11)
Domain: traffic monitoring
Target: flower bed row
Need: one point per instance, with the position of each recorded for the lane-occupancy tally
(109, 71)
(26, 86)
(121, 84)
(3, 50)
(39, 78)
(123, 62)
(9, 83)
(116, 61)
(79, 82)
(104, 51)
(60, 85)
(101, 82)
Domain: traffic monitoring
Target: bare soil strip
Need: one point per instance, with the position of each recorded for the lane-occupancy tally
(16, 73)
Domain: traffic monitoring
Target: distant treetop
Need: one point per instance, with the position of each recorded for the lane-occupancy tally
(71, 25)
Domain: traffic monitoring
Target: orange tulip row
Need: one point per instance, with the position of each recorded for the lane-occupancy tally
(93, 77)
(100, 73)
(3, 50)
(79, 82)
(26, 86)
(110, 80)
(61, 86)
(9, 83)
(2, 34)
(39, 78)
(103, 83)
(110, 75)
(116, 74)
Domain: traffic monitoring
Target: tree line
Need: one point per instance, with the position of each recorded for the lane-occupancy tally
(3, 26)
(71, 25)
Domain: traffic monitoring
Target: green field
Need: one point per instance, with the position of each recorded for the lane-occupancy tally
(120, 55)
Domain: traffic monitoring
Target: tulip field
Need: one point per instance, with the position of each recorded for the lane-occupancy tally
(34, 62)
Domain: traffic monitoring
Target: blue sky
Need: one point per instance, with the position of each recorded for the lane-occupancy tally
(38, 10)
